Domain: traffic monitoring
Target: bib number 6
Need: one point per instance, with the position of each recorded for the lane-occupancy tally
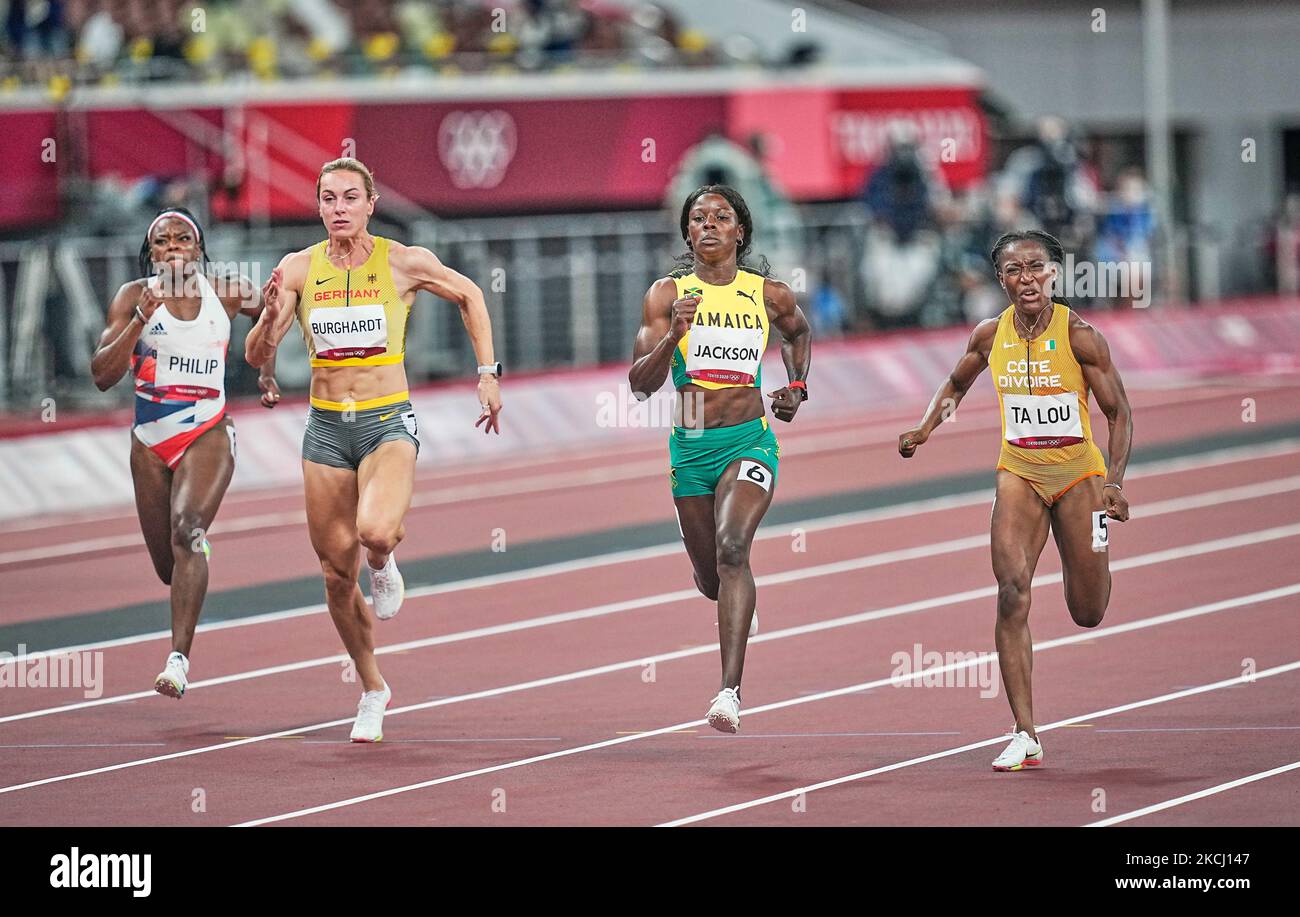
(755, 473)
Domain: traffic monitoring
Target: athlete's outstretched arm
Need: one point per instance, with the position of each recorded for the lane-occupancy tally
(973, 362)
(664, 319)
(428, 273)
(1093, 354)
(279, 307)
(796, 345)
(250, 304)
(112, 356)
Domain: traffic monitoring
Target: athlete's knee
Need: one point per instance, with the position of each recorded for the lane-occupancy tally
(708, 587)
(733, 551)
(339, 580)
(164, 570)
(379, 537)
(187, 532)
(1013, 596)
(1086, 612)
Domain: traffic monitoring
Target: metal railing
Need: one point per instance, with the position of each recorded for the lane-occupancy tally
(561, 290)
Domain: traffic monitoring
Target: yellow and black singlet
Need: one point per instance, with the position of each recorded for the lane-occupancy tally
(353, 317)
(724, 346)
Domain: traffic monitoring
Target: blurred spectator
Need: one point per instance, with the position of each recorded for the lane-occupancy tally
(35, 28)
(1127, 224)
(902, 248)
(1283, 247)
(1052, 183)
(715, 160)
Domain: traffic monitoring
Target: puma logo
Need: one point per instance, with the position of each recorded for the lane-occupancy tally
(748, 296)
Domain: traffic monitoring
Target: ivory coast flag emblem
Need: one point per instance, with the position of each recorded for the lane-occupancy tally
(1049, 344)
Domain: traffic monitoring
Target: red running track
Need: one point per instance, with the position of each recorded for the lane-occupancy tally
(589, 715)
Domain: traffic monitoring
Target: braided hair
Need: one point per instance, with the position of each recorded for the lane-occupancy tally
(685, 262)
(1055, 251)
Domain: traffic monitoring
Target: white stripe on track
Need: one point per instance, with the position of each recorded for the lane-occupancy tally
(1230, 455)
(712, 648)
(1192, 797)
(924, 759)
(839, 692)
(1177, 504)
(515, 486)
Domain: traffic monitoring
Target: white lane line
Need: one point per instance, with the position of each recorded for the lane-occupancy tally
(682, 654)
(1192, 797)
(1212, 498)
(830, 433)
(1225, 456)
(463, 493)
(837, 692)
(514, 486)
(947, 753)
(1203, 729)
(869, 429)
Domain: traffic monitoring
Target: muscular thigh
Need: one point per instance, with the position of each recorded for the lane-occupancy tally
(332, 513)
(1073, 518)
(200, 480)
(1019, 529)
(153, 488)
(385, 480)
(740, 502)
(695, 517)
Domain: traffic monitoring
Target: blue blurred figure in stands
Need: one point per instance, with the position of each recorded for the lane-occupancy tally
(1128, 222)
(1054, 184)
(902, 247)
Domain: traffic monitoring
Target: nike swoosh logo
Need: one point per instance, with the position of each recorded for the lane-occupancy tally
(1012, 344)
(384, 417)
(326, 280)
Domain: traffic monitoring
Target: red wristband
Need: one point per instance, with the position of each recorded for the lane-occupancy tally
(801, 385)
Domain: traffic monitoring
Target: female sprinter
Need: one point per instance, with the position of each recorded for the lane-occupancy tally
(171, 328)
(351, 294)
(1050, 473)
(708, 323)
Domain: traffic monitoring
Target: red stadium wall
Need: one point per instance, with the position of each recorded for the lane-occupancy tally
(30, 192)
(496, 155)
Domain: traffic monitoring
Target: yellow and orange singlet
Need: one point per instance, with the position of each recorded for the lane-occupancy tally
(353, 317)
(1043, 399)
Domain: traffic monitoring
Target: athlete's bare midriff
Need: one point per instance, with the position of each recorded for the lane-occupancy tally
(344, 384)
(722, 407)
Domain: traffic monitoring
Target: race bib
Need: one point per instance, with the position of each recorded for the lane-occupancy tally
(190, 370)
(1043, 421)
(755, 473)
(349, 332)
(728, 355)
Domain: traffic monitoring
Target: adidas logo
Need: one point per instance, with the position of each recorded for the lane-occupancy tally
(158, 329)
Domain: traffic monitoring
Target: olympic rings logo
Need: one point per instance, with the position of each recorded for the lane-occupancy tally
(477, 147)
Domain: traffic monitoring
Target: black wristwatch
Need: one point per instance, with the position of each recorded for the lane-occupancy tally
(494, 368)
